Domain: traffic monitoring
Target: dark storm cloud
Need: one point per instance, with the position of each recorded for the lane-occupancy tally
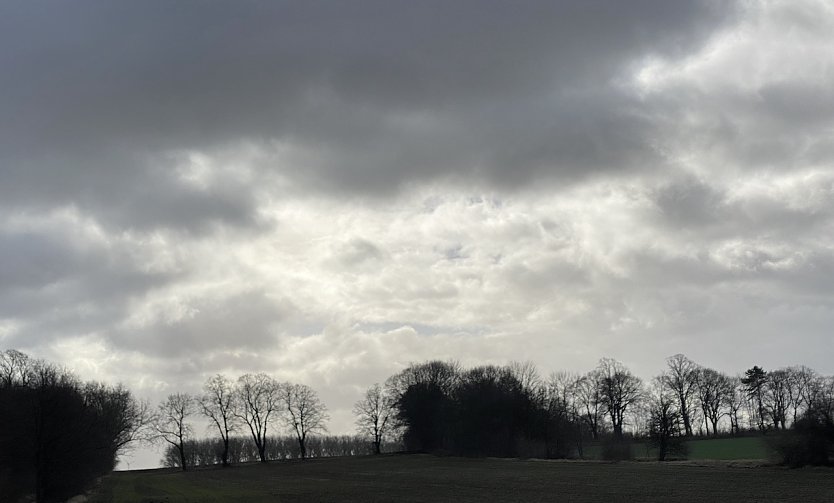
(372, 94)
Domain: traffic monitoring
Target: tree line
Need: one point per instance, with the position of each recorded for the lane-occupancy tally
(208, 451)
(58, 434)
(254, 403)
(513, 411)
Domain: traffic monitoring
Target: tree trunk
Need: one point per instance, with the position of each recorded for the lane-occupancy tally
(687, 425)
(761, 413)
(181, 448)
(661, 449)
(302, 448)
(225, 457)
(260, 443)
(617, 423)
(593, 426)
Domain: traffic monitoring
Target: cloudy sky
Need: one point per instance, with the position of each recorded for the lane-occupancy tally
(326, 191)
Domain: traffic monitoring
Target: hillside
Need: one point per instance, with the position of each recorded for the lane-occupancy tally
(420, 478)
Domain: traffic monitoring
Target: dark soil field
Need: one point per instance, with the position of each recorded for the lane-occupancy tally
(418, 478)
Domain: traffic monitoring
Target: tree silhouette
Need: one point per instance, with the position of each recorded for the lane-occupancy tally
(15, 368)
(57, 435)
(422, 394)
(171, 422)
(665, 420)
(735, 400)
(304, 413)
(374, 415)
(590, 402)
(754, 381)
(492, 410)
(681, 378)
(620, 389)
(777, 392)
(218, 403)
(714, 390)
(258, 400)
(561, 403)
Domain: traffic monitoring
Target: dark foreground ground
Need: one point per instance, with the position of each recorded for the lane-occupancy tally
(417, 478)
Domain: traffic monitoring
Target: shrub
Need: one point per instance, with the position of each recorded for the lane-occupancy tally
(809, 442)
(674, 447)
(614, 449)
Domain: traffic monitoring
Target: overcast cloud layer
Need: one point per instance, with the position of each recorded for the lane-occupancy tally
(326, 191)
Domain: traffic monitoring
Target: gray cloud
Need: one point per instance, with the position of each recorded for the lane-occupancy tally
(371, 95)
(213, 322)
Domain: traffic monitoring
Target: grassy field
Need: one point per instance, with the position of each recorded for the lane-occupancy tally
(723, 449)
(729, 448)
(419, 478)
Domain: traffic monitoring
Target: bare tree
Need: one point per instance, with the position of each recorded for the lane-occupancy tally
(751, 411)
(734, 401)
(218, 403)
(561, 386)
(681, 380)
(257, 401)
(589, 402)
(374, 415)
(561, 394)
(820, 396)
(620, 389)
(714, 389)
(560, 400)
(823, 401)
(126, 420)
(443, 375)
(799, 381)
(664, 419)
(304, 412)
(170, 422)
(777, 394)
(805, 383)
(15, 368)
(527, 374)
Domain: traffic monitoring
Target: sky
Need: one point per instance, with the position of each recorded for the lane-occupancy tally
(327, 191)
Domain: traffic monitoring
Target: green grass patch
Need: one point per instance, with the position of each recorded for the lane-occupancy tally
(729, 448)
(720, 449)
(420, 478)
